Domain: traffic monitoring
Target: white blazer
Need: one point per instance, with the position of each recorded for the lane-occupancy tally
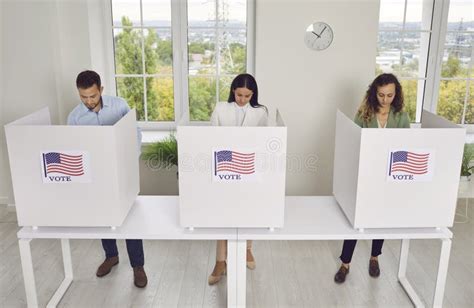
(224, 114)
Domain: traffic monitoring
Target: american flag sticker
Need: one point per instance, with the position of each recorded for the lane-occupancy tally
(234, 165)
(65, 167)
(410, 165)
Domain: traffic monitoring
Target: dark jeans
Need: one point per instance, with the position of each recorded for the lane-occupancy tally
(349, 246)
(134, 248)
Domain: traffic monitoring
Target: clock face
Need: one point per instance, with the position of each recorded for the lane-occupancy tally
(318, 36)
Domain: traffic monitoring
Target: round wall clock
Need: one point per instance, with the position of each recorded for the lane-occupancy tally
(318, 36)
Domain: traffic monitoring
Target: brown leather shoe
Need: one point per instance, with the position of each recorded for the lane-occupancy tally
(140, 280)
(106, 266)
(340, 276)
(374, 269)
(219, 270)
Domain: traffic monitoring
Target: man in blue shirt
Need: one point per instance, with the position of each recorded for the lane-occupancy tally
(98, 109)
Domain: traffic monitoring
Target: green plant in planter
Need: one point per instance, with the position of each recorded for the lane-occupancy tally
(467, 157)
(161, 154)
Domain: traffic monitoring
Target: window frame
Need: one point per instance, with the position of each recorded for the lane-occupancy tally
(428, 91)
(179, 32)
(440, 22)
(425, 51)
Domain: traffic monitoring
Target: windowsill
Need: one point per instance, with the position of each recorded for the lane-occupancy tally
(152, 136)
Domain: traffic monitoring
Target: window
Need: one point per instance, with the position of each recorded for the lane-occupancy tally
(152, 71)
(403, 47)
(456, 85)
(429, 46)
(143, 57)
(216, 51)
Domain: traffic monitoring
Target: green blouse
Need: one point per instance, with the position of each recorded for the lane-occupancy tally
(395, 120)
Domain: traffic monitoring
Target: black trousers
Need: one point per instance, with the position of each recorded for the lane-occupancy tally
(349, 246)
(134, 249)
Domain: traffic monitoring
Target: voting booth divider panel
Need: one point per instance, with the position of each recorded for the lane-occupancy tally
(82, 176)
(398, 178)
(232, 177)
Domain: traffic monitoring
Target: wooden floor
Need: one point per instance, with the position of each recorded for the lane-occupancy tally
(288, 273)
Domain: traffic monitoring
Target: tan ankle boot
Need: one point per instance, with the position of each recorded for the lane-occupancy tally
(219, 270)
(250, 260)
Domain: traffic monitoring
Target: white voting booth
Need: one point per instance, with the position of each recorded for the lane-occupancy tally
(398, 178)
(72, 175)
(232, 176)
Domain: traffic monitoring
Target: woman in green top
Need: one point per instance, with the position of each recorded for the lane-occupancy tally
(382, 108)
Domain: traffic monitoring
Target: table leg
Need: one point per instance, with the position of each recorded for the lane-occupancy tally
(28, 273)
(442, 272)
(236, 273)
(402, 266)
(231, 273)
(68, 275)
(241, 272)
(402, 269)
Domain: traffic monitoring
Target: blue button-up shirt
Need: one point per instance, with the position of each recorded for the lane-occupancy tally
(113, 109)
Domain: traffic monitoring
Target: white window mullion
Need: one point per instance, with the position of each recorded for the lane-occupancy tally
(435, 57)
(145, 98)
(218, 51)
(402, 37)
(427, 23)
(251, 37)
(466, 101)
(179, 28)
(468, 84)
(144, 75)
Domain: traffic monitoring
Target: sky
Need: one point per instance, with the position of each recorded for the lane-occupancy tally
(161, 9)
(390, 10)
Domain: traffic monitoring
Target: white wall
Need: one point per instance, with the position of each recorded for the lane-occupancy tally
(3, 178)
(27, 67)
(308, 86)
(74, 51)
(46, 43)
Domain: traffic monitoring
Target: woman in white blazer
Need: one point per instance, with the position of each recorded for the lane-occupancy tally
(241, 109)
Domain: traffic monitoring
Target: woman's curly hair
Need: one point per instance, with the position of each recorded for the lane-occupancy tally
(370, 105)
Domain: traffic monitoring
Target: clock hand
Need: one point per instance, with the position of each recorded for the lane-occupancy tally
(316, 34)
(322, 31)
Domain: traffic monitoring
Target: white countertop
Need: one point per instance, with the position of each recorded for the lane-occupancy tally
(306, 218)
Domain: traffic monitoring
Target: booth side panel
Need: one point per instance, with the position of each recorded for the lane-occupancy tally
(127, 164)
(346, 164)
(431, 120)
(40, 117)
(282, 178)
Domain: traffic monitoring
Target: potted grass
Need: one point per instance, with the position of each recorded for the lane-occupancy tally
(466, 166)
(162, 154)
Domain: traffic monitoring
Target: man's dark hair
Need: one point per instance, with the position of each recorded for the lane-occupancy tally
(87, 79)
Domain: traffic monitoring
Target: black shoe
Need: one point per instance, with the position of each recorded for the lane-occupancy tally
(374, 269)
(340, 276)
